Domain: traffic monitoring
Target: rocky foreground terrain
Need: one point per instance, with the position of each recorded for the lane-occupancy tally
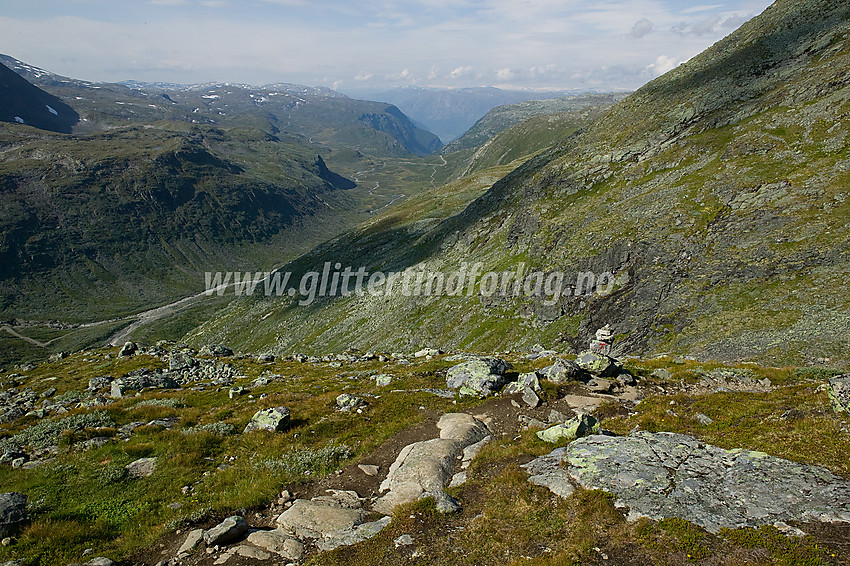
(168, 455)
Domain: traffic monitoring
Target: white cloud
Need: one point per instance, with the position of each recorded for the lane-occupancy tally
(461, 72)
(663, 64)
(540, 43)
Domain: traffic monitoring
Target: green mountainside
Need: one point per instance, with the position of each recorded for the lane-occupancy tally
(502, 117)
(715, 195)
(140, 192)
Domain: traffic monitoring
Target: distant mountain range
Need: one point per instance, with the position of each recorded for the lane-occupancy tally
(451, 112)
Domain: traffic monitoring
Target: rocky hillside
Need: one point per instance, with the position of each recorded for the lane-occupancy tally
(715, 196)
(162, 454)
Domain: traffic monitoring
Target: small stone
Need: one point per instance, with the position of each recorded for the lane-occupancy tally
(662, 374)
(704, 419)
(530, 398)
(403, 540)
(100, 561)
(368, 469)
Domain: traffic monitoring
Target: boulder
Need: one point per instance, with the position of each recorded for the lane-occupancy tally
(838, 391)
(562, 371)
(179, 361)
(480, 377)
(139, 381)
(383, 379)
(216, 350)
(424, 352)
(347, 402)
(275, 419)
(13, 512)
(314, 519)
(576, 427)
(598, 364)
(230, 530)
(128, 349)
(141, 468)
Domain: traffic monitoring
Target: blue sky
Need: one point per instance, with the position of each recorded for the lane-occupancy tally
(525, 44)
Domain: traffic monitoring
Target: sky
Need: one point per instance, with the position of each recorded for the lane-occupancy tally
(370, 44)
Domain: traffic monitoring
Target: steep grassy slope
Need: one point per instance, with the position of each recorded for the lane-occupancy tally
(24, 103)
(503, 117)
(716, 195)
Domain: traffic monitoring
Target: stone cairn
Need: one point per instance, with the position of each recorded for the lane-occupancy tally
(603, 342)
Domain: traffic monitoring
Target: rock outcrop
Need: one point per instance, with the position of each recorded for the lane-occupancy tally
(660, 475)
(423, 469)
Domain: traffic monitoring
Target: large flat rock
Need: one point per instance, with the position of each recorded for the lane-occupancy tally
(659, 475)
(425, 468)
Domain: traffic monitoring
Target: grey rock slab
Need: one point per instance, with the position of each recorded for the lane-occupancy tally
(547, 471)
(313, 519)
(279, 542)
(193, 539)
(660, 475)
(229, 530)
(530, 398)
(423, 469)
(353, 535)
(251, 551)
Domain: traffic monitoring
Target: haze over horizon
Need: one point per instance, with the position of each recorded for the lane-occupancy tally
(536, 44)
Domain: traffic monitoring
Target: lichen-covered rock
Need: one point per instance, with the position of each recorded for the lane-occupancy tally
(347, 402)
(480, 377)
(659, 475)
(562, 371)
(598, 364)
(582, 425)
(275, 419)
(838, 391)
